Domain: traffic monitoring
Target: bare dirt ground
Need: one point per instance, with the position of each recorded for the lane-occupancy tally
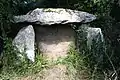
(57, 72)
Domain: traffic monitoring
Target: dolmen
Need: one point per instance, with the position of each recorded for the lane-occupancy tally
(53, 31)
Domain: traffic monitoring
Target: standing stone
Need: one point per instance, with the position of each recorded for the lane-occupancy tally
(24, 42)
(94, 34)
(95, 43)
(91, 40)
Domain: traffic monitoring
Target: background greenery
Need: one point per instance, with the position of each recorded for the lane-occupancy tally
(108, 19)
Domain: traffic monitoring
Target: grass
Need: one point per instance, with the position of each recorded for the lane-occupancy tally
(77, 65)
(9, 69)
(23, 70)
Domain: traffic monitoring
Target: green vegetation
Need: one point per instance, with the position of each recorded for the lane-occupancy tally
(9, 69)
(76, 65)
(79, 67)
(107, 12)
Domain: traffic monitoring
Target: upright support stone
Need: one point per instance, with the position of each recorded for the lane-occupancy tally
(24, 42)
(90, 40)
(95, 43)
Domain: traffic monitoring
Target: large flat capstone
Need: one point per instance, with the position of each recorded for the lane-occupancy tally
(49, 16)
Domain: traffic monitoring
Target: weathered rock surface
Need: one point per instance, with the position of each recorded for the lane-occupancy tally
(94, 34)
(92, 40)
(49, 16)
(95, 42)
(24, 42)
